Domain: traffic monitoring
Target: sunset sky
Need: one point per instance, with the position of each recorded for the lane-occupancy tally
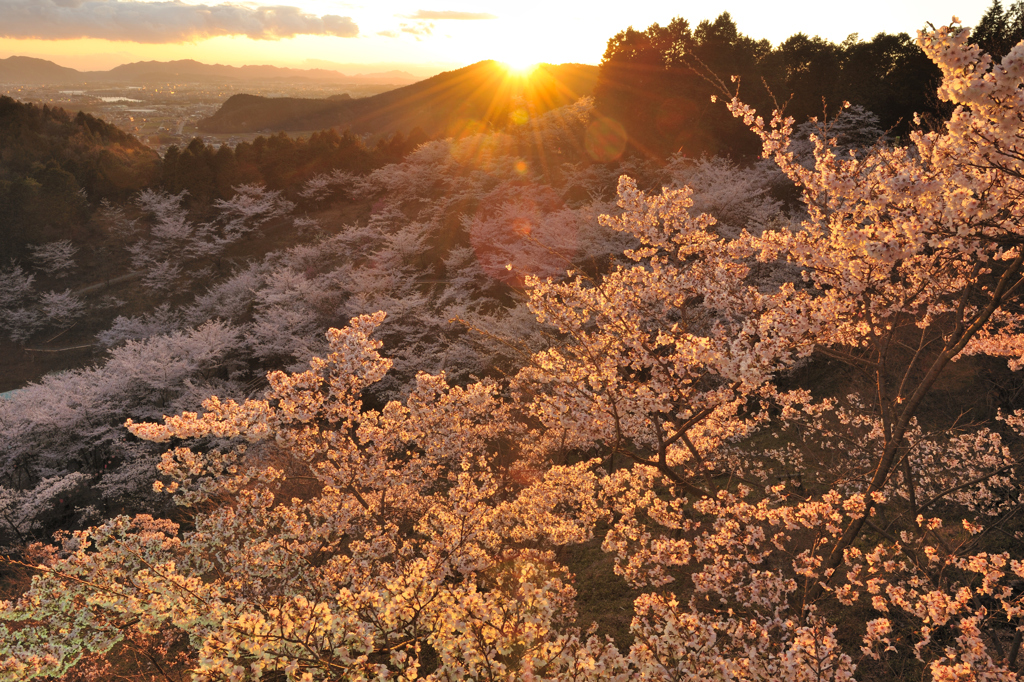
(100, 34)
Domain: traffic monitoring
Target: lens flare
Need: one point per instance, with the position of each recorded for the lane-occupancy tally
(605, 139)
(519, 116)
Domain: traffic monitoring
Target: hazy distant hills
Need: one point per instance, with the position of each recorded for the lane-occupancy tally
(468, 99)
(32, 71)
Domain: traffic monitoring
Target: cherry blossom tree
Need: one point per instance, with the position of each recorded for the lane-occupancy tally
(61, 308)
(54, 258)
(770, 531)
(25, 311)
(174, 243)
(17, 318)
(69, 425)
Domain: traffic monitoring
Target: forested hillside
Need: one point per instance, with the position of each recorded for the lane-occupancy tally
(658, 83)
(52, 162)
(67, 181)
(599, 391)
(279, 162)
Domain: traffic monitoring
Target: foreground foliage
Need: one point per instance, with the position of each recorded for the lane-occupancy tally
(770, 532)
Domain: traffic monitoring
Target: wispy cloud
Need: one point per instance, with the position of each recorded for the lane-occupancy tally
(168, 21)
(419, 30)
(430, 15)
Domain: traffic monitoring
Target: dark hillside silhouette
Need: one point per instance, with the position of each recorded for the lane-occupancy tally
(278, 161)
(477, 97)
(658, 83)
(999, 29)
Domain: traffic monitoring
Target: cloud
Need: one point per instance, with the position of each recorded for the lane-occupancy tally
(167, 21)
(450, 14)
(387, 34)
(421, 29)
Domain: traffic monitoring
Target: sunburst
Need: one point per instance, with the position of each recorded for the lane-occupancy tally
(520, 66)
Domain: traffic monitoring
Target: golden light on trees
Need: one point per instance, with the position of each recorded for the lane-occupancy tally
(766, 532)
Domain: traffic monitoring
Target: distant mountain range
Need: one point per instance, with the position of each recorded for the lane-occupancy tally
(451, 103)
(32, 71)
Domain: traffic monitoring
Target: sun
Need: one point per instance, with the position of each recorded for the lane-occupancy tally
(519, 65)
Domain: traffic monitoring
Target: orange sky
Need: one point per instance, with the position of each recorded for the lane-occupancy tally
(100, 34)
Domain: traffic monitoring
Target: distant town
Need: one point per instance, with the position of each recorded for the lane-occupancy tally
(165, 114)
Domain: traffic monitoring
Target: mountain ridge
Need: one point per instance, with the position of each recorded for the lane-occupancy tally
(35, 71)
(475, 97)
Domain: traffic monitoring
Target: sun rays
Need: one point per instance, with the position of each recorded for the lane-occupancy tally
(520, 66)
